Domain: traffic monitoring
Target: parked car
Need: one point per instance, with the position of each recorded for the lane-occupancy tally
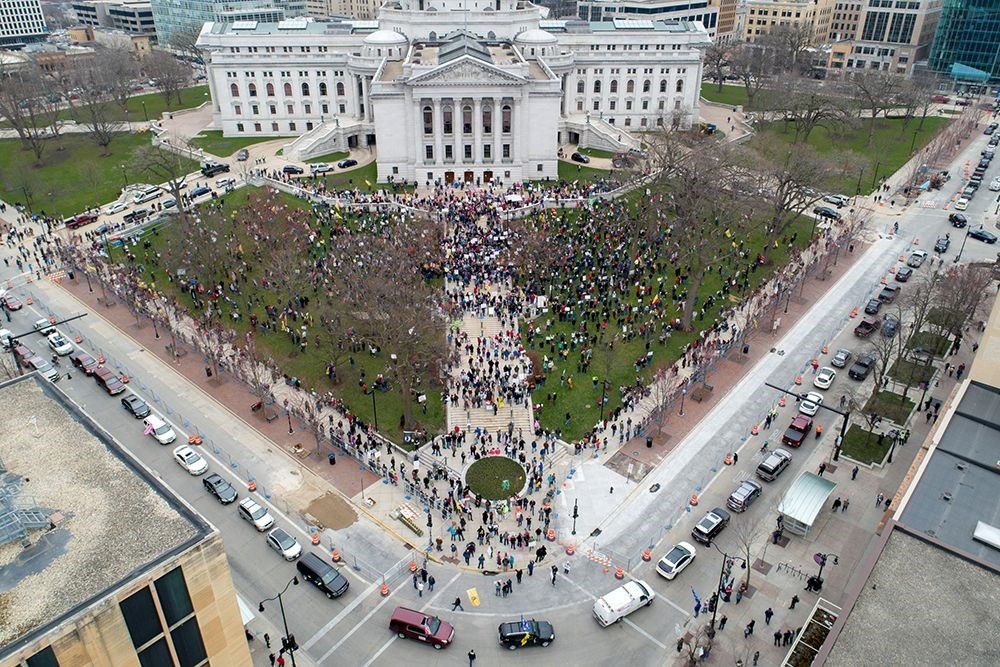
(917, 258)
(745, 494)
(422, 627)
(824, 378)
(982, 235)
(322, 575)
(827, 212)
(190, 460)
(839, 201)
(11, 302)
(862, 367)
(873, 306)
(713, 523)
(889, 326)
(580, 157)
(80, 220)
(250, 510)
(320, 168)
(284, 544)
(995, 185)
(889, 293)
(347, 164)
(199, 191)
(797, 431)
(958, 220)
(809, 405)
(108, 381)
(135, 406)
(159, 429)
(60, 344)
(903, 274)
(962, 204)
(293, 169)
(43, 327)
(84, 362)
(212, 168)
(516, 634)
(675, 560)
(220, 488)
(117, 207)
(941, 245)
(243, 155)
(44, 368)
(867, 326)
(840, 358)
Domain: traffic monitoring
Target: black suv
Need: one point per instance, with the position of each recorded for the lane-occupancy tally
(710, 525)
(292, 169)
(862, 367)
(214, 168)
(135, 405)
(516, 634)
(220, 488)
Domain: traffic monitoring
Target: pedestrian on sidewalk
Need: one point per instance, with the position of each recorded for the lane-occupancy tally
(496, 586)
(457, 604)
(747, 631)
(836, 504)
(414, 582)
(822, 469)
(555, 572)
(518, 574)
(472, 657)
(531, 567)
(768, 613)
(795, 601)
(722, 623)
(566, 568)
(786, 638)
(420, 589)
(430, 583)
(756, 657)
(843, 508)
(739, 595)
(879, 498)
(854, 473)
(270, 656)
(777, 637)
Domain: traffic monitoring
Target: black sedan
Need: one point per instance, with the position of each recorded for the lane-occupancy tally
(827, 212)
(958, 220)
(580, 157)
(516, 634)
(347, 164)
(942, 244)
(293, 169)
(903, 274)
(199, 191)
(136, 406)
(982, 235)
(873, 306)
(220, 488)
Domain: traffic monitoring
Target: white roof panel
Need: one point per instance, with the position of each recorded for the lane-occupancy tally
(806, 497)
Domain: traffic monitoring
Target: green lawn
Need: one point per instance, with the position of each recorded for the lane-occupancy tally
(911, 372)
(583, 400)
(362, 178)
(570, 171)
(889, 150)
(930, 341)
(730, 96)
(597, 152)
(336, 156)
(146, 107)
(945, 319)
(862, 445)
(890, 406)
(72, 179)
(212, 141)
(486, 477)
(309, 367)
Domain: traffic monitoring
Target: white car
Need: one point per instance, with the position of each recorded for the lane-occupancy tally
(190, 460)
(250, 510)
(825, 377)
(159, 429)
(676, 560)
(810, 403)
(838, 200)
(995, 185)
(117, 207)
(962, 204)
(284, 544)
(320, 168)
(59, 344)
(44, 327)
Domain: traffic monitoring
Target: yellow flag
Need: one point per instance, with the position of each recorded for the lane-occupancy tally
(729, 234)
(473, 596)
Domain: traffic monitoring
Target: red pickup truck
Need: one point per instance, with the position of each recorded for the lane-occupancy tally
(797, 431)
(80, 220)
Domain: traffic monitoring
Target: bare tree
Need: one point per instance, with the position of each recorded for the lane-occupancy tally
(748, 534)
(186, 40)
(122, 69)
(170, 75)
(695, 645)
(962, 293)
(716, 59)
(805, 105)
(163, 166)
(754, 65)
(95, 91)
(788, 42)
(877, 92)
(886, 350)
(30, 105)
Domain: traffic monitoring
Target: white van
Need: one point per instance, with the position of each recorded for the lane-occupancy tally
(152, 192)
(5, 338)
(622, 601)
(225, 182)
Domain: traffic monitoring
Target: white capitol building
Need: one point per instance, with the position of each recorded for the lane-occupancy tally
(454, 90)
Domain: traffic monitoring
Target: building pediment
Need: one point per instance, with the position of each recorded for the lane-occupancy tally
(467, 72)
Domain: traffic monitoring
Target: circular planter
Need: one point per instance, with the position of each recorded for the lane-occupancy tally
(486, 476)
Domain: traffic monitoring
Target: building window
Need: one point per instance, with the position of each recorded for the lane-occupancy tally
(614, 86)
(580, 85)
(252, 89)
(340, 88)
(322, 88)
(663, 86)
(305, 89)
(429, 152)
(487, 120)
(309, 126)
(680, 86)
(325, 108)
(273, 108)
(256, 127)
(395, 170)
(234, 90)
(449, 153)
(238, 110)
(447, 120)
(628, 122)
(467, 120)
(149, 637)
(288, 90)
(254, 109)
(630, 86)
(646, 85)
(597, 105)
(307, 108)
(628, 105)
(428, 120)
(505, 119)
(239, 127)
(597, 86)
(487, 151)
(270, 90)
(613, 104)
(290, 108)
(44, 658)
(579, 105)
(506, 151)
(467, 151)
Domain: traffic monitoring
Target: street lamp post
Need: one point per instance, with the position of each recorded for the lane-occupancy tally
(684, 392)
(288, 413)
(124, 175)
(288, 641)
(727, 564)
(962, 249)
(144, 114)
(374, 407)
(604, 397)
(576, 513)
(821, 559)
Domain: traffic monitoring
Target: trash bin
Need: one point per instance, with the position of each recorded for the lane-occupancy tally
(333, 459)
(649, 442)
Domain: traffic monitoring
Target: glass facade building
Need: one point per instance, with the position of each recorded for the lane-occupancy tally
(968, 33)
(171, 16)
